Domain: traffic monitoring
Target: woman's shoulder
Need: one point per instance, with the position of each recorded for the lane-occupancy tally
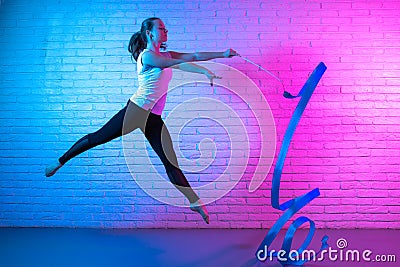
(144, 51)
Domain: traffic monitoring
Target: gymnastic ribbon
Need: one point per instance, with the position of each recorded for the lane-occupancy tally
(305, 93)
(294, 205)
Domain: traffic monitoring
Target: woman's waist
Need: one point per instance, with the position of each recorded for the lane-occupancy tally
(141, 109)
(151, 89)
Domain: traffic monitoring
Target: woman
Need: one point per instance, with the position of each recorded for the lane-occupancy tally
(144, 108)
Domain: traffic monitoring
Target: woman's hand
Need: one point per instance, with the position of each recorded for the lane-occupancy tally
(211, 76)
(230, 53)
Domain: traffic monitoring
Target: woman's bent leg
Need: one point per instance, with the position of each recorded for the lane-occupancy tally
(160, 140)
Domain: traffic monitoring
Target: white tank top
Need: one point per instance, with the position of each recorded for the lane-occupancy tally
(153, 85)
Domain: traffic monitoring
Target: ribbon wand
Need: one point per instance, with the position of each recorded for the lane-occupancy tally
(285, 93)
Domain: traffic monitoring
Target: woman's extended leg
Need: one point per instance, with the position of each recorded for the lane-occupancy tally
(111, 130)
(160, 140)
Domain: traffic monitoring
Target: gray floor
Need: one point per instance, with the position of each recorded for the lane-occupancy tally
(160, 247)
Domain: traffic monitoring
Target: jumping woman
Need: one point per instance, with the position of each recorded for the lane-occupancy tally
(145, 107)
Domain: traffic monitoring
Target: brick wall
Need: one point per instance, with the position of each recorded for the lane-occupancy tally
(65, 71)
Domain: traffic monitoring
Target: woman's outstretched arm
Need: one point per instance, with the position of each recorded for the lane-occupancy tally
(157, 60)
(191, 67)
(203, 56)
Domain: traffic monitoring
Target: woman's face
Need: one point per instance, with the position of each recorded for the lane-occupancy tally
(159, 32)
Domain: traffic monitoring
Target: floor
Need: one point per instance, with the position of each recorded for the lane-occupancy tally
(160, 247)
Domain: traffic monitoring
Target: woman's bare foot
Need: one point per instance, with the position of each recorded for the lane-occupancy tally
(199, 207)
(52, 168)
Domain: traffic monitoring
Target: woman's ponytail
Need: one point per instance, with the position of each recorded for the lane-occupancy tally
(136, 45)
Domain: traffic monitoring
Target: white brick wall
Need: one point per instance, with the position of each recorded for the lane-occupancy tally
(65, 70)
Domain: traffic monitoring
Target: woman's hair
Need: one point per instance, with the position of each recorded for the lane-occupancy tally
(138, 41)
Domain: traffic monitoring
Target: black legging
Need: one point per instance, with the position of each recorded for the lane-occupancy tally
(127, 120)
